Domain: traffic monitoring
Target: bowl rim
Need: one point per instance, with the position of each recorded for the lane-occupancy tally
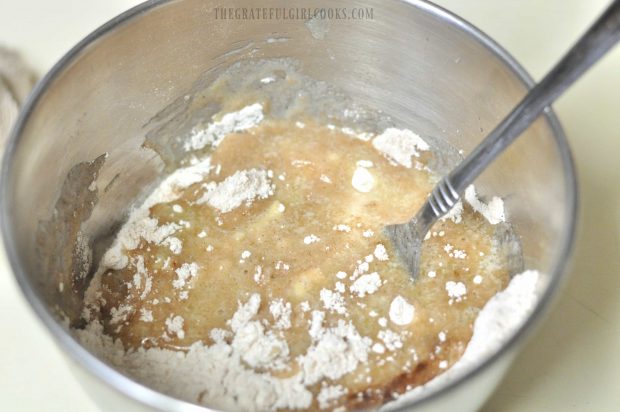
(157, 400)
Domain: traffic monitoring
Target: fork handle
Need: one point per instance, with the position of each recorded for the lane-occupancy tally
(599, 38)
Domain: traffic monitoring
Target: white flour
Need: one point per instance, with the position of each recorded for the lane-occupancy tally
(215, 132)
(141, 226)
(311, 239)
(366, 285)
(175, 326)
(174, 243)
(455, 214)
(401, 311)
(333, 301)
(146, 315)
(281, 312)
(503, 314)
(381, 253)
(219, 373)
(391, 339)
(493, 211)
(243, 187)
(185, 273)
(456, 290)
(329, 394)
(362, 180)
(399, 145)
(334, 352)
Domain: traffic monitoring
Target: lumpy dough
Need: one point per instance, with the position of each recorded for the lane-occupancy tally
(308, 241)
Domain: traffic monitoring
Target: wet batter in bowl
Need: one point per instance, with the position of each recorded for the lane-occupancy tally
(258, 278)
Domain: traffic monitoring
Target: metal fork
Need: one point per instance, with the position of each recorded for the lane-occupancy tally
(407, 238)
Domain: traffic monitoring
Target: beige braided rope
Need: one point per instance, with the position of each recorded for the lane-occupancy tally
(16, 81)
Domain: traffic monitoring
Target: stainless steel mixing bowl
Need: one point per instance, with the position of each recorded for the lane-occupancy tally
(429, 70)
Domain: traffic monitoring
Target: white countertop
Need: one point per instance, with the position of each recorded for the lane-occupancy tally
(572, 364)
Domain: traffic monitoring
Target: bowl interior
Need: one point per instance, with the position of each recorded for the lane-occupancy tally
(89, 118)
